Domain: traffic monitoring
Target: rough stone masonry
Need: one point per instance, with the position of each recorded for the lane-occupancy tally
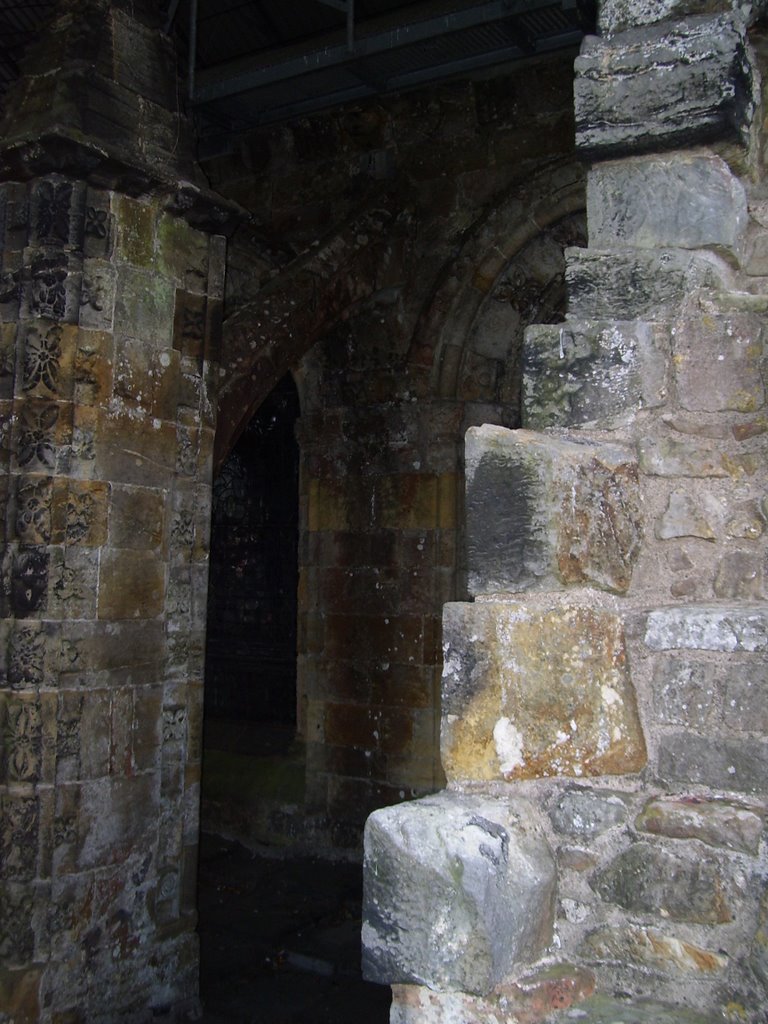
(603, 711)
(612, 666)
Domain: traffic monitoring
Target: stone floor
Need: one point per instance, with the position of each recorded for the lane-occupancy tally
(280, 940)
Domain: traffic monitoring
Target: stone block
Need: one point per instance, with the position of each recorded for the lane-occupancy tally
(458, 892)
(686, 515)
(660, 87)
(635, 284)
(591, 371)
(131, 584)
(745, 702)
(690, 201)
(646, 879)
(740, 765)
(144, 306)
(619, 15)
(537, 689)
(649, 948)
(721, 823)
(663, 456)
(117, 816)
(550, 988)
(585, 813)
(719, 363)
(543, 513)
(97, 295)
(708, 627)
(740, 575)
(136, 517)
(686, 691)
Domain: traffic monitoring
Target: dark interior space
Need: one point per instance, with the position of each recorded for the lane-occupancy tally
(250, 670)
(280, 940)
(279, 930)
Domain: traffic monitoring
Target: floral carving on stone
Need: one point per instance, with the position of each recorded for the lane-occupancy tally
(42, 358)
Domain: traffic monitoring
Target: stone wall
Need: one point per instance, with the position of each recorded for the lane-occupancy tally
(600, 841)
(396, 253)
(109, 329)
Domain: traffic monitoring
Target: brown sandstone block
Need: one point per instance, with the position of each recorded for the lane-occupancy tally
(536, 689)
(131, 585)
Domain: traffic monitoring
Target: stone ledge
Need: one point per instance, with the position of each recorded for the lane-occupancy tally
(661, 87)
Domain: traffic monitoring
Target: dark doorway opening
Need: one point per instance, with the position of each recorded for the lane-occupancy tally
(250, 671)
(279, 928)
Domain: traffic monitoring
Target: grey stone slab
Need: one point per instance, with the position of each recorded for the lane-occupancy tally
(662, 86)
(709, 627)
(635, 284)
(458, 891)
(587, 813)
(591, 371)
(686, 200)
(738, 765)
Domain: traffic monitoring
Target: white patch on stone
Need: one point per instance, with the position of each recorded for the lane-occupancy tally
(509, 745)
(609, 695)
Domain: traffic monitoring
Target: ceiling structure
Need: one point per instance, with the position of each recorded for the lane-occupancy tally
(263, 61)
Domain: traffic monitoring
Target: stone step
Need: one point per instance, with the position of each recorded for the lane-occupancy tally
(601, 1009)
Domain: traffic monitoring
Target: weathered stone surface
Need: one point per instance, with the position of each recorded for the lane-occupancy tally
(687, 200)
(715, 822)
(687, 517)
(533, 690)
(686, 691)
(552, 988)
(543, 513)
(591, 371)
(666, 457)
(708, 627)
(662, 86)
(634, 284)
(458, 892)
(603, 1009)
(745, 703)
(740, 576)
(618, 15)
(719, 363)
(740, 765)
(649, 879)
(586, 813)
(648, 947)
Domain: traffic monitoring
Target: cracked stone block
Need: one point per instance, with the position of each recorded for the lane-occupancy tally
(661, 87)
(683, 886)
(708, 627)
(458, 892)
(591, 370)
(688, 516)
(537, 689)
(687, 200)
(714, 822)
(544, 513)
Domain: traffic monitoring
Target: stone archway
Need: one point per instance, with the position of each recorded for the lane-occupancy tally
(383, 419)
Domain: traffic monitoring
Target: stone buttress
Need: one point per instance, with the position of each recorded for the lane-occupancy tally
(605, 693)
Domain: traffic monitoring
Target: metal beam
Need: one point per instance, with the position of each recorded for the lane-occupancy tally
(220, 83)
